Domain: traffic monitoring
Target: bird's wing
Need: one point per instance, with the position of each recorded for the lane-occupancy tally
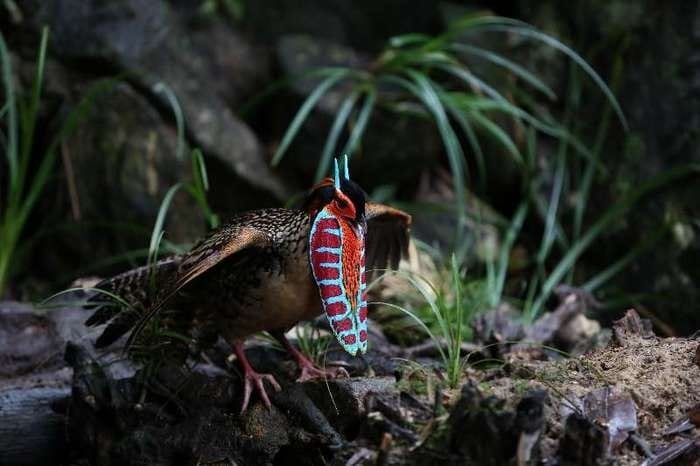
(222, 244)
(387, 237)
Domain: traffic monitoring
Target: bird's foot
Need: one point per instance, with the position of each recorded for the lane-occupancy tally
(309, 371)
(255, 380)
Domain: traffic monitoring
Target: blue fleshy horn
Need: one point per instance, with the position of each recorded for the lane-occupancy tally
(347, 173)
(336, 175)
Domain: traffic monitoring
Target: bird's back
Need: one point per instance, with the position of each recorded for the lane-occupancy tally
(232, 290)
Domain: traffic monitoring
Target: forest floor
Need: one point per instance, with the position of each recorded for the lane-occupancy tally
(632, 401)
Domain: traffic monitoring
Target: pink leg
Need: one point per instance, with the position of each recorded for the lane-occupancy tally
(309, 370)
(252, 378)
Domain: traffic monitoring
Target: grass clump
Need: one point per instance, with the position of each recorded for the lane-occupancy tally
(29, 167)
(429, 77)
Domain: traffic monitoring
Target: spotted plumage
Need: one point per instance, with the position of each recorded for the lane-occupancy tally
(266, 270)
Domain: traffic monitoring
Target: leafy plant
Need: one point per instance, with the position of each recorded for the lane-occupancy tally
(445, 315)
(429, 77)
(563, 242)
(197, 187)
(312, 342)
(24, 186)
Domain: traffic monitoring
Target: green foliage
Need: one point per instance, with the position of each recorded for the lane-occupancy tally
(197, 187)
(312, 342)
(429, 77)
(234, 9)
(23, 188)
(445, 314)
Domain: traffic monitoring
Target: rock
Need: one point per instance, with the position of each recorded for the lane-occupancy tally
(28, 341)
(145, 39)
(567, 326)
(223, 52)
(123, 161)
(188, 416)
(484, 430)
(608, 408)
(362, 24)
(583, 442)
(31, 431)
(344, 400)
(33, 382)
(631, 327)
(137, 165)
(497, 329)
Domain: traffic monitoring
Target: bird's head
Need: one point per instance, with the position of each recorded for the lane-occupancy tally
(337, 256)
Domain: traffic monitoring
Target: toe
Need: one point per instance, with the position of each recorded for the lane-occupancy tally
(247, 390)
(262, 392)
(271, 379)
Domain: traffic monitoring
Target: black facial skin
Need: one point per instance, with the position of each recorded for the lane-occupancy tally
(321, 196)
(357, 196)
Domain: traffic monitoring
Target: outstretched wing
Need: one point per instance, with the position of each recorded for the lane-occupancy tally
(387, 236)
(220, 245)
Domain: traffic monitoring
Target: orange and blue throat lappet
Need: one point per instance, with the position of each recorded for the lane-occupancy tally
(337, 256)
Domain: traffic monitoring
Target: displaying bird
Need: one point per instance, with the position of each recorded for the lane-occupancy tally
(266, 270)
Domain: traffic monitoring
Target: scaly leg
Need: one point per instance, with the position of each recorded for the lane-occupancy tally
(309, 370)
(252, 378)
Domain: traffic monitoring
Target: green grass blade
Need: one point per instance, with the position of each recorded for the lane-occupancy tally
(499, 135)
(509, 65)
(332, 140)
(589, 171)
(526, 30)
(157, 234)
(472, 80)
(420, 322)
(361, 124)
(608, 217)
(199, 170)
(12, 149)
(425, 90)
(37, 84)
(473, 140)
(504, 254)
(410, 39)
(603, 277)
(305, 110)
(109, 294)
(163, 88)
(43, 173)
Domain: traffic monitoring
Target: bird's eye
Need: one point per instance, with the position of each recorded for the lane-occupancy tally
(341, 203)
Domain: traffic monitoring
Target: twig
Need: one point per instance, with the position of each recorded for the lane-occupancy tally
(70, 180)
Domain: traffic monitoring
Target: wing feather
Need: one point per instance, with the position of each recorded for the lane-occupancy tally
(219, 246)
(387, 237)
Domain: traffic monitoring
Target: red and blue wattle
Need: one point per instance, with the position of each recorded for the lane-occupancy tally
(337, 255)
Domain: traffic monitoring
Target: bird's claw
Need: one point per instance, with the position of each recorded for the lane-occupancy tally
(310, 372)
(251, 379)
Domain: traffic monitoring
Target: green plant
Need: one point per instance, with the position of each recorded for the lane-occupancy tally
(446, 314)
(565, 237)
(312, 342)
(429, 77)
(234, 9)
(197, 187)
(24, 186)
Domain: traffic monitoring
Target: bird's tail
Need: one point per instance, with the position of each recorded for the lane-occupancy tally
(122, 299)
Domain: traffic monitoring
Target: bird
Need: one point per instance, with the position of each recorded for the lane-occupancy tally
(267, 270)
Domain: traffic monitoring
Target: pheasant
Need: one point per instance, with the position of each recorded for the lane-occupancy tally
(266, 270)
